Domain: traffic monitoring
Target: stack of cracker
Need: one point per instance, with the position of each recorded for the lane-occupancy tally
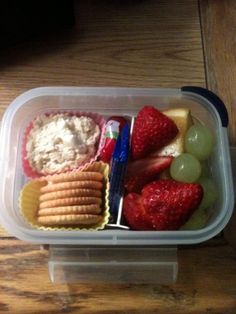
(75, 199)
(71, 198)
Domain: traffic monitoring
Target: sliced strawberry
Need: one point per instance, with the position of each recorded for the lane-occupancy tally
(135, 214)
(170, 203)
(143, 171)
(152, 130)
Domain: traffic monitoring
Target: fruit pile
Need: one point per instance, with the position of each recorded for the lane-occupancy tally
(168, 184)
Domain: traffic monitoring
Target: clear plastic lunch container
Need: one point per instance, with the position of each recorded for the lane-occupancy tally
(204, 105)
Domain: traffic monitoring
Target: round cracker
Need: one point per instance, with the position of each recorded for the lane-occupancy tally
(87, 184)
(80, 219)
(70, 201)
(69, 193)
(66, 210)
(75, 176)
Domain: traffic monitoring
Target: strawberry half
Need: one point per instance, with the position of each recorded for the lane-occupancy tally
(135, 214)
(170, 203)
(152, 130)
(142, 171)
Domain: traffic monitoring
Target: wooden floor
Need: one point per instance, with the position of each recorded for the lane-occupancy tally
(127, 43)
(218, 22)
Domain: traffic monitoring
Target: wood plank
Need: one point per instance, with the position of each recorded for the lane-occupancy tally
(218, 20)
(115, 43)
(206, 284)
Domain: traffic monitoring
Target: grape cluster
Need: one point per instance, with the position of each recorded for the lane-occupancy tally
(191, 167)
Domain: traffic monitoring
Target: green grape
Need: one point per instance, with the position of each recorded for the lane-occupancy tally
(199, 141)
(210, 192)
(185, 168)
(197, 220)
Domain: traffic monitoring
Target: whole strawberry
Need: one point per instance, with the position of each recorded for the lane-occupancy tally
(152, 130)
(163, 205)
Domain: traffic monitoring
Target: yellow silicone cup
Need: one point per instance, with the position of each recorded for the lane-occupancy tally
(29, 201)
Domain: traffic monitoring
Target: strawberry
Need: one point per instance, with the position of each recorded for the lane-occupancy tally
(170, 203)
(152, 130)
(135, 214)
(163, 205)
(143, 171)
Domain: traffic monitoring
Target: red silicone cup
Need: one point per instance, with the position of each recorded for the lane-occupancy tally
(32, 173)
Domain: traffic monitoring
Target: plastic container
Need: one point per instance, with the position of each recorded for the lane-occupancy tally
(204, 105)
(139, 265)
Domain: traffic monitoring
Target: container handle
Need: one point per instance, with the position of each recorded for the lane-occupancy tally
(212, 98)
